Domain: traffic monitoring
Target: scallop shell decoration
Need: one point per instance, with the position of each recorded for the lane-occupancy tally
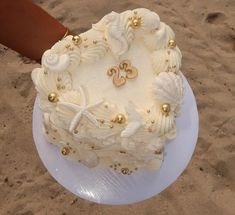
(150, 21)
(168, 88)
(95, 51)
(166, 60)
(114, 33)
(48, 82)
(127, 29)
(159, 38)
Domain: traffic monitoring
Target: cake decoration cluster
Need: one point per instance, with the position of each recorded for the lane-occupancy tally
(101, 133)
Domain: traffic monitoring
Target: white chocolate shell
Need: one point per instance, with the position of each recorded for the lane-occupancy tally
(48, 82)
(125, 22)
(168, 88)
(55, 62)
(150, 21)
(160, 38)
(114, 33)
(94, 52)
(166, 60)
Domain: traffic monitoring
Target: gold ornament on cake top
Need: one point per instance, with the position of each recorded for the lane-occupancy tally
(135, 20)
(119, 79)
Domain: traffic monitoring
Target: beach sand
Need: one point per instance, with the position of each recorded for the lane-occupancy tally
(205, 33)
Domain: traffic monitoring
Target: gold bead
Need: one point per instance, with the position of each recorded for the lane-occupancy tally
(53, 97)
(125, 170)
(172, 44)
(75, 131)
(77, 40)
(94, 41)
(65, 151)
(120, 118)
(111, 126)
(148, 111)
(166, 108)
(136, 22)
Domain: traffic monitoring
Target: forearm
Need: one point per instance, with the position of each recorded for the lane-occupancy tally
(28, 29)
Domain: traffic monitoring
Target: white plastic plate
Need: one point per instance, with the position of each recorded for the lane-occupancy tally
(105, 186)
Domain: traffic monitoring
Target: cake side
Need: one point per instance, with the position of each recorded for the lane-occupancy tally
(110, 96)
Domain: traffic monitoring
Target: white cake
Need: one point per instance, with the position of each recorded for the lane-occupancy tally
(110, 96)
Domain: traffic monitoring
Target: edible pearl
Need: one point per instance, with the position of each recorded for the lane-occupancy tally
(65, 151)
(124, 170)
(136, 22)
(166, 108)
(172, 44)
(77, 39)
(120, 118)
(53, 97)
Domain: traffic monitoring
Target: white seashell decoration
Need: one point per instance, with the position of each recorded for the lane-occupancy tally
(166, 60)
(159, 39)
(94, 52)
(114, 33)
(150, 20)
(48, 82)
(168, 88)
(127, 29)
(55, 62)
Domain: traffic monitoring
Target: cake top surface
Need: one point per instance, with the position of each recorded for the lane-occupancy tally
(118, 82)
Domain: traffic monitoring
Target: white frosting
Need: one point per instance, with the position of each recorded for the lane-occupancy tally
(83, 120)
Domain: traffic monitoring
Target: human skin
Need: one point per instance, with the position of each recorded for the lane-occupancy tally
(28, 29)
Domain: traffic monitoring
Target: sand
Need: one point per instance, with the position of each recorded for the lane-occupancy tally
(206, 36)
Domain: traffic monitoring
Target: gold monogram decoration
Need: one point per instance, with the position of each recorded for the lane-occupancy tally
(122, 73)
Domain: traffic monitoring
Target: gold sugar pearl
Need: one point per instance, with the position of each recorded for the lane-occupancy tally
(120, 118)
(53, 97)
(148, 111)
(77, 40)
(135, 22)
(125, 171)
(95, 41)
(166, 108)
(172, 44)
(153, 121)
(65, 151)
(111, 126)
(75, 131)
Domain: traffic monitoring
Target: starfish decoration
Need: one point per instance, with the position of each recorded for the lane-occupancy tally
(82, 110)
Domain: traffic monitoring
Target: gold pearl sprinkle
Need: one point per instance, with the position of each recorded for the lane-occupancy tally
(95, 41)
(166, 108)
(58, 79)
(85, 39)
(63, 87)
(53, 97)
(148, 111)
(111, 126)
(65, 151)
(75, 131)
(120, 118)
(125, 170)
(172, 44)
(135, 22)
(45, 72)
(77, 40)
(153, 121)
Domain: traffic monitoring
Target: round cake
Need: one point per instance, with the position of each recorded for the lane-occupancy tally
(110, 96)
